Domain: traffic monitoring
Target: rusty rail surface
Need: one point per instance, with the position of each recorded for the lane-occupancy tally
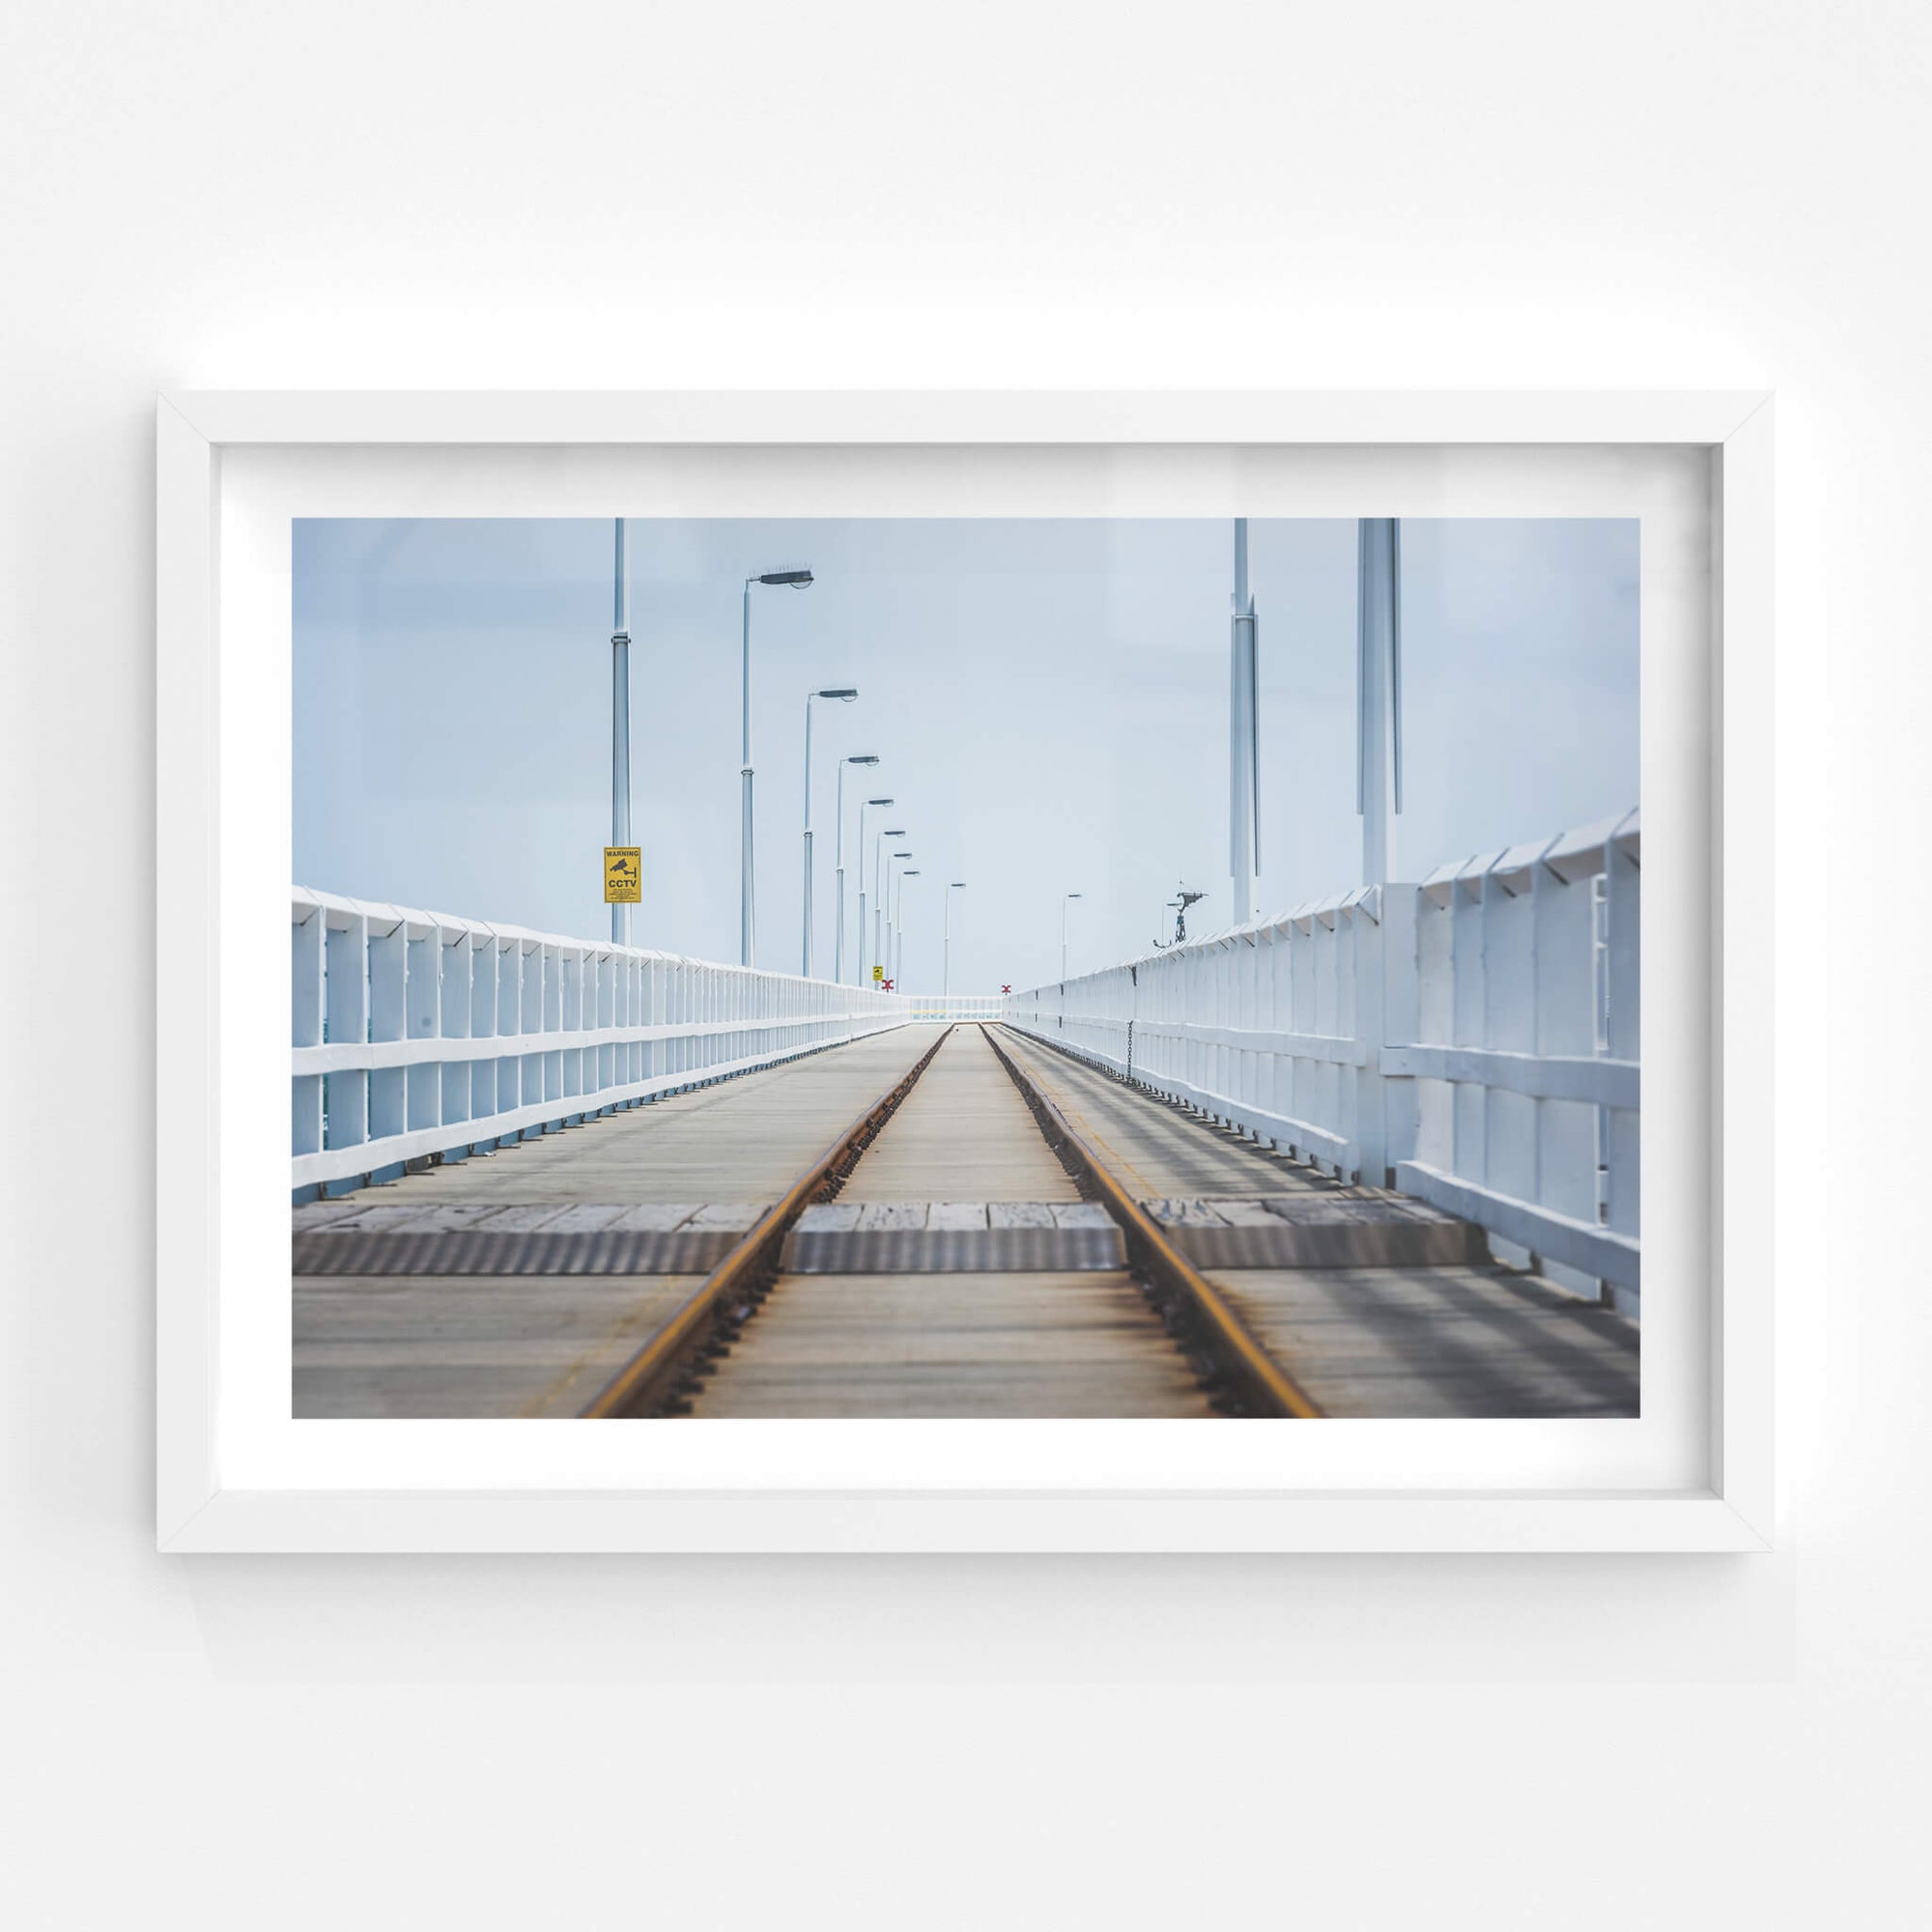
(732, 1291)
(1263, 1386)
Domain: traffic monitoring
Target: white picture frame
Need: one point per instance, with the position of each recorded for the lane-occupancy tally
(1732, 1509)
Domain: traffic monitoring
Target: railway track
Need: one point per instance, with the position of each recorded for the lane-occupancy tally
(1061, 1292)
(655, 1379)
(997, 1229)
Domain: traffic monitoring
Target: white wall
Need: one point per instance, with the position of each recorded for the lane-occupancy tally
(588, 194)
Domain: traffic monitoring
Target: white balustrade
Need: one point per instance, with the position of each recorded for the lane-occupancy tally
(416, 1034)
(1472, 1039)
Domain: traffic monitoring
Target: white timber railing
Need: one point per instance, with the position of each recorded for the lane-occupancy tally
(417, 1035)
(1472, 1039)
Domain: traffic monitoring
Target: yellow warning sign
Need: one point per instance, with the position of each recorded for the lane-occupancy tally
(623, 875)
(878, 974)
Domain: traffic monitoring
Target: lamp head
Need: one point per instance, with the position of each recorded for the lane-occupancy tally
(864, 758)
(796, 579)
(846, 692)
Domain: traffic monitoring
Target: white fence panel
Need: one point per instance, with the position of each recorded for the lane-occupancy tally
(414, 1034)
(1474, 1040)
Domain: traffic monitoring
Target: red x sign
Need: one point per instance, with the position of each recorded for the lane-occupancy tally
(1005, 989)
(889, 985)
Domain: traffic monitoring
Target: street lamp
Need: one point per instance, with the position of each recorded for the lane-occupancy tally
(844, 694)
(795, 579)
(862, 810)
(1063, 904)
(838, 853)
(891, 905)
(945, 955)
(898, 965)
(620, 727)
(878, 888)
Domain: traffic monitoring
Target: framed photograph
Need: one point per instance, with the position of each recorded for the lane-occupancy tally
(965, 971)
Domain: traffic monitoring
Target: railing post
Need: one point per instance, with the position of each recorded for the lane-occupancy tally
(1623, 888)
(1566, 1025)
(552, 1022)
(423, 990)
(1509, 1025)
(574, 1082)
(346, 1003)
(530, 1021)
(481, 947)
(1387, 1013)
(509, 1022)
(306, 1029)
(1467, 971)
(389, 990)
(1433, 906)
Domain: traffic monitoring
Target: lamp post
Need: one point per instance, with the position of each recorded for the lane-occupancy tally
(1243, 740)
(890, 904)
(1063, 904)
(620, 726)
(838, 853)
(844, 694)
(945, 952)
(878, 887)
(898, 926)
(861, 951)
(796, 579)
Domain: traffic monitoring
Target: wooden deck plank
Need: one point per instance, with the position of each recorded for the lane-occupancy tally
(505, 1346)
(963, 1134)
(470, 1346)
(1438, 1341)
(1158, 1152)
(745, 1139)
(955, 1346)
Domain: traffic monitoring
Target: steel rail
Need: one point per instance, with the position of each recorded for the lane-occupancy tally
(651, 1377)
(1264, 1385)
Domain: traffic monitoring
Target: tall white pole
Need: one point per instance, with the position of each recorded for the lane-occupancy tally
(946, 930)
(744, 938)
(620, 726)
(862, 957)
(805, 923)
(1378, 693)
(1244, 731)
(839, 868)
(898, 930)
(859, 960)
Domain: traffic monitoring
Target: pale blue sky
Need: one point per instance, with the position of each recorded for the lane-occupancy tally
(1048, 699)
